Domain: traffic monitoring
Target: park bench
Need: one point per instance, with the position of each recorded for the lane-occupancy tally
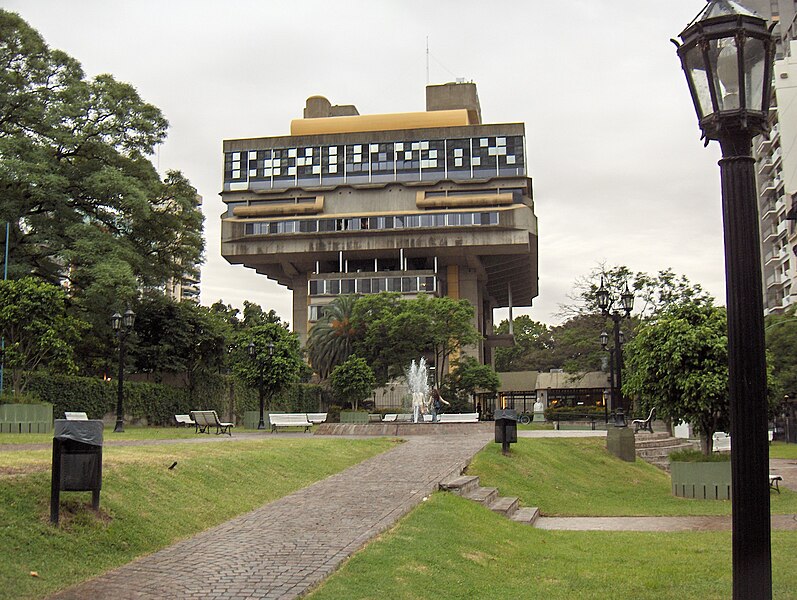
(289, 420)
(458, 418)
(76, 416)
(205, 419)
(390, 417)
(774, 482)
(644, 424)
(184, 421)
(316, 418)
(722, 442)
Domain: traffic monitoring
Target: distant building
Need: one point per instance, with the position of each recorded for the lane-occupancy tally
(521, 389)
(428, 202)
(776, 162)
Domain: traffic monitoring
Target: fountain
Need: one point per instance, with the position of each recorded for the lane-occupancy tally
(419, 388)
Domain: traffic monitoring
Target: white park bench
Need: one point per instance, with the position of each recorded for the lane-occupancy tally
(316, 418)
(458, 418)
(76, 416)
(390, 417)
(205, 419)
(184, 421)
(289, 420)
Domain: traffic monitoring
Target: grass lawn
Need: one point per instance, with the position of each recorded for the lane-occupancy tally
(130, 433)
(144, 505)
(453, 548)
(782, 450)
(579, 477)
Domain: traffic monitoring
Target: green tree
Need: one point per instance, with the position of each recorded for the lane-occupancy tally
(268, 372)
(331, 338)
(82, 198)
(180, 338)
(37, 330)
(466, 379)
(678, 363)
(391, 331)
(781, 340)
(533, 345)
(352, 381)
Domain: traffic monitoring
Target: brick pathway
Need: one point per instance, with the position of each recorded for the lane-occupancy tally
(285, 547)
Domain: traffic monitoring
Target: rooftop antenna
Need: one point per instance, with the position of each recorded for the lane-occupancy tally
(427, 60)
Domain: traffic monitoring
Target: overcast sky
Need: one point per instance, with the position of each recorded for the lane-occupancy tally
(619, 173)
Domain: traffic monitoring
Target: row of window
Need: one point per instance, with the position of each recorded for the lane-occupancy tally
(458, 219)
(400, 161)
(372, 285)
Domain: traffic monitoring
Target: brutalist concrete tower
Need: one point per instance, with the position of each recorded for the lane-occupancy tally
(428, 202)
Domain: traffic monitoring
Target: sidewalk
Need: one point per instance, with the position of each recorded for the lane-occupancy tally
(284, 548)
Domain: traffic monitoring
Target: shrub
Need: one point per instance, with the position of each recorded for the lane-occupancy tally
(698, 456)
(573, 413)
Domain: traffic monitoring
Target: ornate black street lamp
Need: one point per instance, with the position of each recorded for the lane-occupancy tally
(616, 313)
(261, 377)
(726, 53)
(122, 326)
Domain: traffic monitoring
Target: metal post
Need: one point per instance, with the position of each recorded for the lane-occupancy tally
(3, 339)
(752, 558)
(120, 417)
(618, 362)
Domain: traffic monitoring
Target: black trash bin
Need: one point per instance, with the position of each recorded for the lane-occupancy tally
(505, 427)
(77, 461)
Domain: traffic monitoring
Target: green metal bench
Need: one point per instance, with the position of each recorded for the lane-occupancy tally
(26, 418)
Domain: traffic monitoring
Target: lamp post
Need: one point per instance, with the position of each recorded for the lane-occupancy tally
(122, 326)
(726, 53)
(616, 313)
(252, 348)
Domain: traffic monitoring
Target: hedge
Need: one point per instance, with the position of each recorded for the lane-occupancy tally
(158, 403)
(573, 413)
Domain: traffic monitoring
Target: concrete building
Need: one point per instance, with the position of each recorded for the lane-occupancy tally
(776, 163)
(429, 202)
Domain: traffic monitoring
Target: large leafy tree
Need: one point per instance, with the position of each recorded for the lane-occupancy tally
(678, 363)
(85, 204)
(180, 338)
(467, 378)
(270, 372)
(331, 339)
(36, 328)
(352, 381)
(781, 339)
(391, 331)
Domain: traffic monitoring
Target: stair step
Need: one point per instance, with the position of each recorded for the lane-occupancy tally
(482, 495)
(460, 485)
(526, 515)
(505, 505)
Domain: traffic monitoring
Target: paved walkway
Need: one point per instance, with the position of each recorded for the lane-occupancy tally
(284, 548)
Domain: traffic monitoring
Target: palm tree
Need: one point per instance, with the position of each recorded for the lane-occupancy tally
(330, 341)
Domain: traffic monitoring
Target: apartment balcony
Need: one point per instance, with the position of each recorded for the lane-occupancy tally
(774, 280)
(771, 186)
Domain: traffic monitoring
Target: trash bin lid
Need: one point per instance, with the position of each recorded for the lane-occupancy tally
(86, 432)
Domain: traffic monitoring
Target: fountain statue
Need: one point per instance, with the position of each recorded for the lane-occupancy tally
(419, 388)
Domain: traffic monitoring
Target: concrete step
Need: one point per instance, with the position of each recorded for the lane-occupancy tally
(460, 485)
(526, 515)
(482, 495)
(662, 451)
(505, 505)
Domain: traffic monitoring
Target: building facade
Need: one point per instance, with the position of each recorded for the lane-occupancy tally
(428, 202)
(776, 163)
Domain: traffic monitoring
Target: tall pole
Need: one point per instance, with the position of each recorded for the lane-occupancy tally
(120, 417)
(618, 360)
(3, 339)
(752, 559)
